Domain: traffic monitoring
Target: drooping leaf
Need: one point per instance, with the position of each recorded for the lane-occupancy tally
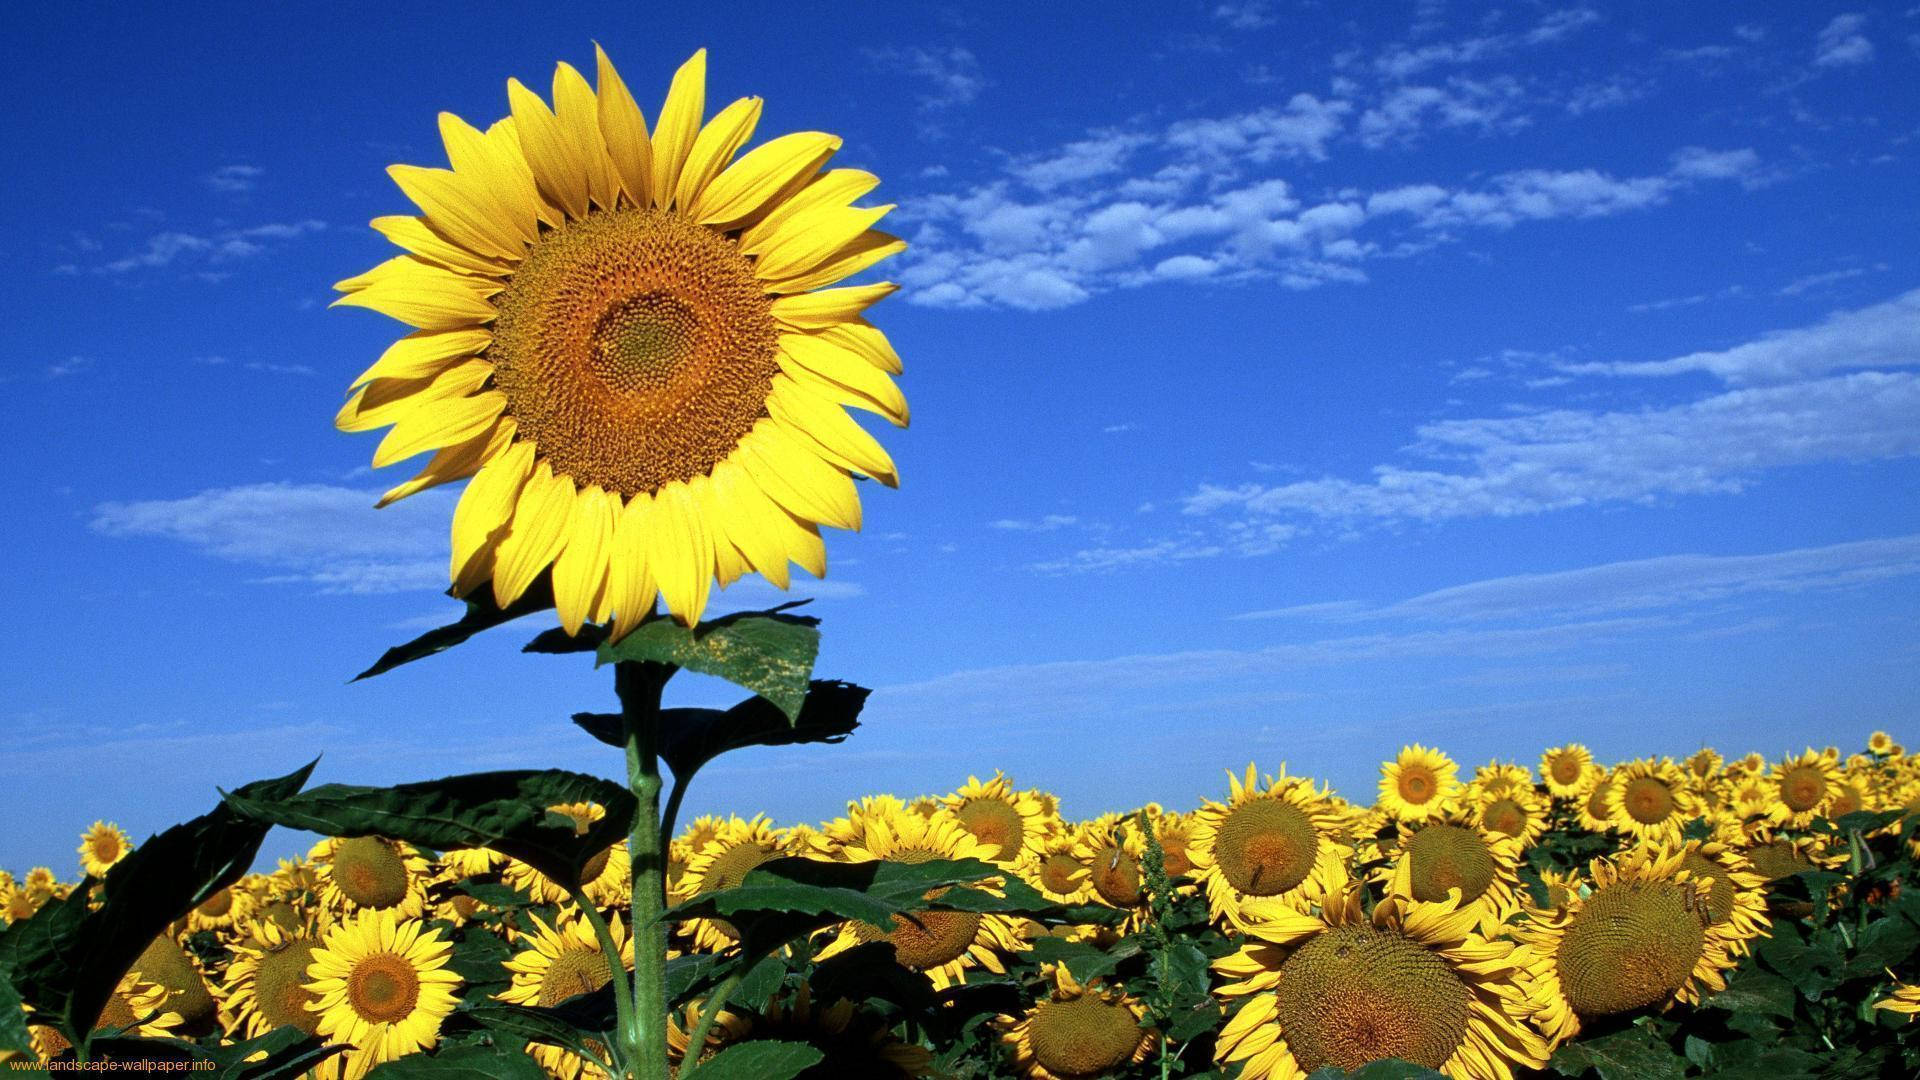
(689, 738)
(761, 1059)
(66, 960)
(482, 614)
(462, 1063)
(768, 652)
(505, 811)
(562, 1027)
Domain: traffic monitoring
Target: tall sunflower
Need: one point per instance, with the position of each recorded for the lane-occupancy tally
(1007, 821)
(1414, 981)
(627, 340)
(1418, 784)
(265, 986)
(381, 985)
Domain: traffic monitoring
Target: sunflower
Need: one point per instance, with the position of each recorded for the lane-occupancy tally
(944, 945)
(737, 847)
(1111, 849)
(101, 847)
(1901, 998)
(628, 344)
(1453, 856)
(166, 965)
(1058, 872)
(224, 910)
(1077, 1031)
(1519, 812)
(1802, 786)
(561, 961)
(1419, 784)
(1880, 744)
(1175, 833)
(462, 863)
(370, 872)
(1650, 800)
(1736, 891)
(1496, 778)
(1415, 981)
(265, 986)
(137, 1007)
(1643, 936)
(1278, 840)
(382, 986)
(606, 879)
(1006, 821)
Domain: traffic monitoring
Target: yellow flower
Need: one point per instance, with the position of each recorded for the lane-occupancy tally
(101, 847)
(736, 847)
(1276, 840)
(382, 986)
(1419, 784)
(627, 341)
(559, 962)
(370, 872)
(1802, 786)
(1480, 870)
(1007, 821)
(1077, 1031)
(1650, 800)
(265, 986)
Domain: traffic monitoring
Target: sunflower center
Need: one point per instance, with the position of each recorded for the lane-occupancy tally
(1060, 874)
(106, 847)
(1449, 857)
(1845, 801)
(1355, 994)
(926, 939)
(1597, 800)
(1630, 946)
(281, 914)
(1266, 847)
(370, 872)
(1083, 1037)
(1648, 801)
(383, 988)
(279, 988)
(1802, 788)
(1173, 854)
(596, 865)
(571, 974)
(1116, 876)
(635, 349)
(1566, 769)
(1505, 816)
(165, 964)
(1417, 783)
(1778, 859)
(995, 824)
(217, 905)
(1720, 900)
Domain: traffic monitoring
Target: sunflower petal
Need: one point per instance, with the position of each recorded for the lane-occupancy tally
(835, 434)
(538, 533)
(679, 550)
(864, 340)
(751, 526)
(455, 462)
(808, 238)
(856, 255)
(776, 167)
(580, 573)
(837, 187)
(815, 359)
(811, 311)
(624, 128)
(386, 401)
(716, 144)
(558, 166)
(798, 479)
(679, 123)
(484, 508)
(630, 588)
(416, 236)
(460, 207)
(439, 423)
(495, 169)
(426, 296)
(578, 113)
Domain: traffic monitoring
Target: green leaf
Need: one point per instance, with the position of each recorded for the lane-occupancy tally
(482, 614)
(1390, 1069)
(1632, 1053)
(689, 738)
(1083, 961)
(505, 811)
(767, 652)
(1181, 972)
(1885, 943)
(1756, 992)
(13, 1025)
(761, 1059)
(462, 1063)
(66, 960)
(562, 1026)
(480, 959)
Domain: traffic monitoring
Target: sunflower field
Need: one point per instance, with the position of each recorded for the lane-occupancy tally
(1647, 919)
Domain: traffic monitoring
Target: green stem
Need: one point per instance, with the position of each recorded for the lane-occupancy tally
(670, 818)
(616, 968)
(639, 685)
(697, 1039)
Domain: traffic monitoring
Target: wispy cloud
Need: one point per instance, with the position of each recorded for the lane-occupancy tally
(207, 250)
(1842, 44)
(234, 179)
(1245, 14)
(1049, 523)
(264, 366)
(1404, 61)
(951, 73)
(72, 365)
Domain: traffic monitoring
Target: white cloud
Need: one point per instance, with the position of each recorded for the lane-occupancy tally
(1405, 112)
(1049, 523)
(1841, 43)
(952, 73)
(234, 179)
(1245, 14)
(1814, 281)
(1406, 61)
(170, 246)
(321, 534)
(72, 365)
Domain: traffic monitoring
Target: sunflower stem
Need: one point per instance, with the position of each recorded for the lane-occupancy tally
(639, 685)
(616, 966)
(697, 1039)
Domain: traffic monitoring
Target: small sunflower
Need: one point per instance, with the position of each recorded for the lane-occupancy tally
(361, 872)
(606, 879)
(1414, 981)
(1736, 895)
(1274, 840)
(1077, 1031)
(382, 986)
(1058, 872)
(1111, 848)
(1802, 786)
(101, 847)
(1520, 812)
(265, 986)
(1901, 998)
(166, 965)
(562, 961)
(224, 910)
(1880, 744)
(631, 347)
(137, 1007)
(1564, 770)
(1419, 784)
(1650, 801)
(1480, 870)
(737, 847)
(1005, 821)
(462, 863)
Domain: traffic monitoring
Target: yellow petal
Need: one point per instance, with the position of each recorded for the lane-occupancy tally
(797, 479)
(385, 402)
(856, 255)
(804, 545)
(835, 188)
(751, 524)
(806, 239)
(729, 565)
(484, 509)
(537, 535)
(810, 311)
(425, 353)
(494, 168)
(630, 588)
(558, 166)
(415, 235)
(578, 112)
(624, 129)
(772, 169)
(835, 434)
(716, 144)
(679, 123)
(815, 359)
(461, 208)
(455, 462)
(504, 140)
(427, 296)
(580, 573)
(680, 551)
(397, 264)
(864, 340)
(439, 423)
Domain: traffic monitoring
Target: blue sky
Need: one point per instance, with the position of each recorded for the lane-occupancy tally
(1287, 386)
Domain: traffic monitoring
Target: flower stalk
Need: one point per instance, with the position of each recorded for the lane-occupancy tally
(639, 685)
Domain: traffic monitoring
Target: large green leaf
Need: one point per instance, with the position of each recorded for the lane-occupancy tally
(761, 1059)
(505, 811)
(13, 1025)
(577, 1026)
(281, 1054)
(689, 738)
(1632, 1053)
(869, 892)
(1390, 1069)
(462, 1063)
(1756, 992)
(66, 960)
(482, 614)
(768, 652)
